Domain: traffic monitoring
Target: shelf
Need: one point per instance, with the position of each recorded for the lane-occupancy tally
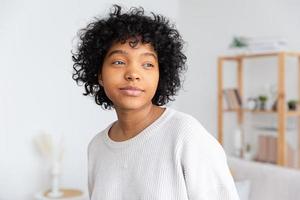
(270, 128)
(256, 55)
(288, 113)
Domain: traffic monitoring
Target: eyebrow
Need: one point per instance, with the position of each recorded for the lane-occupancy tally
(117, 52)
(126, 53)
(150, 54)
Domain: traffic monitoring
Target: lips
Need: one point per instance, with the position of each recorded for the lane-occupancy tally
(131, 88)
(131, 91)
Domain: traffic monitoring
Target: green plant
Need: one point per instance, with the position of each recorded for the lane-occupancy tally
(239, 42)
(262, 98)
(293, 102)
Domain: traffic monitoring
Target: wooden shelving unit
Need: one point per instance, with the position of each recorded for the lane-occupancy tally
(281, 112)
(288, 113)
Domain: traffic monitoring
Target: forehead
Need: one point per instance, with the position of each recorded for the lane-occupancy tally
(132, 46)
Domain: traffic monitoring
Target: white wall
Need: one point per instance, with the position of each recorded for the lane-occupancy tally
(38, 93)
(208, 27)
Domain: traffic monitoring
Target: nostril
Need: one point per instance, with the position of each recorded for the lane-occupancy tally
(133, 77)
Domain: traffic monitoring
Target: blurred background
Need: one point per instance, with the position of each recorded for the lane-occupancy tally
(38, 94)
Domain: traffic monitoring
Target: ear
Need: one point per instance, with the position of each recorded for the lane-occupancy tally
(100, 80)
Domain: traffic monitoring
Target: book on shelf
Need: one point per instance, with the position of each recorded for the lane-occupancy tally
(262, 154)
(267, 44)
(271, 150)
(267, 150)
(233, 98)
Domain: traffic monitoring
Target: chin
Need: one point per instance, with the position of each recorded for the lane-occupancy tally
(132, 105)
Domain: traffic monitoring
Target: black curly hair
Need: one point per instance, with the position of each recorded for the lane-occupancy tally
(96, 39)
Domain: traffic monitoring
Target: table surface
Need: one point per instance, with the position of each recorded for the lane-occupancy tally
(68, 194)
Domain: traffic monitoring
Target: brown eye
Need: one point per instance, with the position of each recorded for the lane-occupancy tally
(118, 62)
(148, 65)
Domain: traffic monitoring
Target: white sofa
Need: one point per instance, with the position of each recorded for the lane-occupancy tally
(267, 181)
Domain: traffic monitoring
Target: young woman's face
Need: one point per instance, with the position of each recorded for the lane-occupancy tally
(130, 75)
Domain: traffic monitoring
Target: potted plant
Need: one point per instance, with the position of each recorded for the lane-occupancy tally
(292, 104)
(263, 99)
(239, 44)
(248, 153)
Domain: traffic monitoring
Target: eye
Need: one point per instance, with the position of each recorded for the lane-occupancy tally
(148, 65)
(118, 62)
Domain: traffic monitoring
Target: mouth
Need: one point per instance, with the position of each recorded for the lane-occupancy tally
(132, 88)
(131, 91)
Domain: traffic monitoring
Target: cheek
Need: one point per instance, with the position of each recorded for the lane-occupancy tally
(107, 81)
(157, 77)
(110, 83)
(109, 76)
(153, 81)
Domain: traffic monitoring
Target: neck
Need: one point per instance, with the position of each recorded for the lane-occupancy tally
(131, 122)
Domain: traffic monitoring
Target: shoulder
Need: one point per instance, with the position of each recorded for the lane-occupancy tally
(96, 140)
(193, 135)
(185, 121)
(190, 127)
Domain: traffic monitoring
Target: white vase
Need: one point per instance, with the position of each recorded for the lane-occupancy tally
(238, 142)
(247, 155)
(55, 181)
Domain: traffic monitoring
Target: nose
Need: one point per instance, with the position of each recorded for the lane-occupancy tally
(132, 75)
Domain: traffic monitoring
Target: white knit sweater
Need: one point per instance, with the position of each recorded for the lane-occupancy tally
(174, 158)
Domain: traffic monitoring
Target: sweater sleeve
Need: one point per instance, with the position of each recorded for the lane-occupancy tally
(89, 174)
(204, 165)
(90, 166)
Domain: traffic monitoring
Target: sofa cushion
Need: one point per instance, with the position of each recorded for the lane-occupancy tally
(268, 181)
(243, 189)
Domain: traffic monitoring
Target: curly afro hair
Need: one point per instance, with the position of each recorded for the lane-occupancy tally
(96, 39)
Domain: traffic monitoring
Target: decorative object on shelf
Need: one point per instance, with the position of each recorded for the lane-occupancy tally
(252, 103)
(52, 151)
(274, 106)
(238, 142)
(273, 92)
(267, 44)
(258, 44)
(262, 102)
(239, 42)
(293, 104)
(248, 152)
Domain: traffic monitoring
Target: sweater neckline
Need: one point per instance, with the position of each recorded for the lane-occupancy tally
(144, 134)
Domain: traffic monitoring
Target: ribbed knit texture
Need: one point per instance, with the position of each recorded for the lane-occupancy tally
(174, 158)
